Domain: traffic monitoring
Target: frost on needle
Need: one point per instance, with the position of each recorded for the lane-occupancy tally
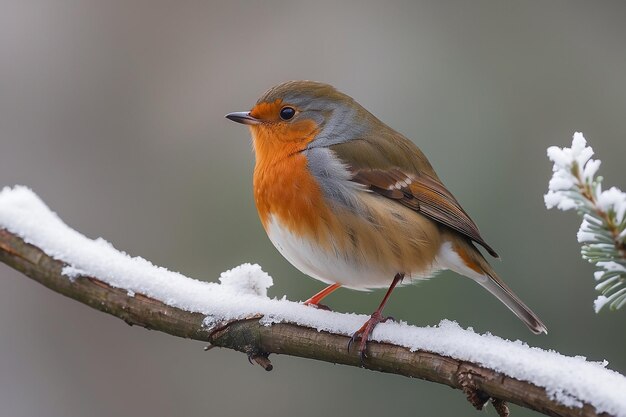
(574, 185)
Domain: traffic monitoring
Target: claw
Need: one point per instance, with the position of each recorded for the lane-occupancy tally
(362, 355)
(351, 341)
(364, 333)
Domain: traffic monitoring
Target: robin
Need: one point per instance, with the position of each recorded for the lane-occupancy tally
(353, 203)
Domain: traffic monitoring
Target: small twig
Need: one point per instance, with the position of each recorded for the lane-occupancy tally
(587, 192)
(501, 407)
(262, 359)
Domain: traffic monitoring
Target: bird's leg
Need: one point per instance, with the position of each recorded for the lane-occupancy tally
(376, 317)
(315, 300)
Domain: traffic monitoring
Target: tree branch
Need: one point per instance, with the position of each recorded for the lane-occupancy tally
(258, 340)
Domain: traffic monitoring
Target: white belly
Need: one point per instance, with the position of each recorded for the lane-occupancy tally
(332, 266)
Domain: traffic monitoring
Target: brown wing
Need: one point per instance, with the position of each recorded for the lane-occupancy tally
(423, 194)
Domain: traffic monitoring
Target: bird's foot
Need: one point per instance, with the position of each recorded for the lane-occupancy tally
(319, 306)
(365, 331)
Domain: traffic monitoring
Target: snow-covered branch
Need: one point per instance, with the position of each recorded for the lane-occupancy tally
(574, 185)
(237, 314)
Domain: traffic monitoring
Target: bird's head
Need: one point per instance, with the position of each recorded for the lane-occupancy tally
(297, 115)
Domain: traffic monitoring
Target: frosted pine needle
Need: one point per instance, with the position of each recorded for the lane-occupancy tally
(574, 185)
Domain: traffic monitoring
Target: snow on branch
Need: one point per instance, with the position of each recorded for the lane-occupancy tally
(237, 314)
(574, 185)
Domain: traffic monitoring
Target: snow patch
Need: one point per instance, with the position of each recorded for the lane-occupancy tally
(247, 279)
(599, 303)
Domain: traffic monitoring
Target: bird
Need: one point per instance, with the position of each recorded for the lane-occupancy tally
(353, 203)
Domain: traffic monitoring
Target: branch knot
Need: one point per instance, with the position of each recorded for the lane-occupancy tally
(467, 378)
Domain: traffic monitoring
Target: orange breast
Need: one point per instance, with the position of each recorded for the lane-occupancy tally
(283, 186)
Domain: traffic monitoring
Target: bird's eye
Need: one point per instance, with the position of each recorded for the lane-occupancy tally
(287, 112)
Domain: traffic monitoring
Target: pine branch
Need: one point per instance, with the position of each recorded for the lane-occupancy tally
(574, 185)
(258, 340)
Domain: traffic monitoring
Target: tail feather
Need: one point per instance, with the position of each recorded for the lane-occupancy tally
(471, 263)
(498, 288)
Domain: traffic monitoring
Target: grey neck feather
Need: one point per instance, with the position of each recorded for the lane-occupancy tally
(334, 178)
(344, 124)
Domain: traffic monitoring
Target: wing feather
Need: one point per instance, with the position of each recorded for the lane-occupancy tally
(411, 183)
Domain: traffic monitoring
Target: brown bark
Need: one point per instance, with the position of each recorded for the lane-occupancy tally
(258, 341)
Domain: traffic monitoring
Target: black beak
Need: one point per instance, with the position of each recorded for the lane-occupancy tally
(243, 117)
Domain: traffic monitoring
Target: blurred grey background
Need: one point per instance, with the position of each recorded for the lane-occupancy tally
(113, 112)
